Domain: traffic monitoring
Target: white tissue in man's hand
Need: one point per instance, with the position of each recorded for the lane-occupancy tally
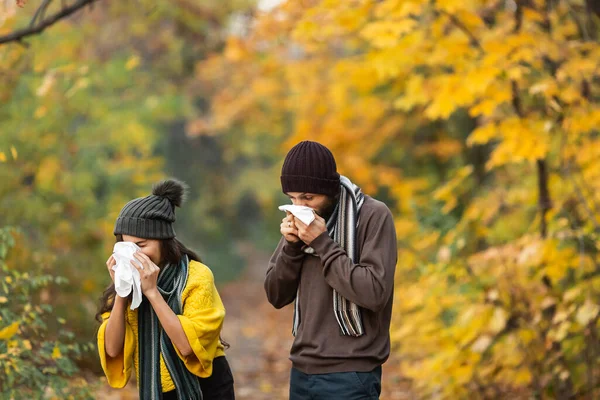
(127, 278)
(303, 213)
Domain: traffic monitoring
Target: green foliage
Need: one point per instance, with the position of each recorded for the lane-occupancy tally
(34, 363)
(86, 118)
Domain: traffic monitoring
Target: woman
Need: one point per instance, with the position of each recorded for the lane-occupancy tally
(172, 339)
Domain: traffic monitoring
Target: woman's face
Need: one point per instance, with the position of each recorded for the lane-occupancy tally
(150, 247)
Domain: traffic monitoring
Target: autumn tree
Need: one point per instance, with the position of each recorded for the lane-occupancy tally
(477, 122)
(90, 110)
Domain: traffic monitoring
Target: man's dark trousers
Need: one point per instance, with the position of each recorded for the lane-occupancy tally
(335, 386)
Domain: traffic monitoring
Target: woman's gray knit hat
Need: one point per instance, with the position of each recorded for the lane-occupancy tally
(152, 217)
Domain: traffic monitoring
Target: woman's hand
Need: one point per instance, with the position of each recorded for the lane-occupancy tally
(111, 262)
(148, 274)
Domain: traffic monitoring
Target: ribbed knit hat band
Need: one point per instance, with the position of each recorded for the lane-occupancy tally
(309, 167)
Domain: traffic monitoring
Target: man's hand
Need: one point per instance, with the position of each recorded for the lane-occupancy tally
(288, 229)
(308, 233)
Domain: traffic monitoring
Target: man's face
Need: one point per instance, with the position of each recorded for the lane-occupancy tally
(322, 204)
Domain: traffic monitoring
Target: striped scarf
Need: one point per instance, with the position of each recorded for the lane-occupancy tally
(341, 227)
(153, 341)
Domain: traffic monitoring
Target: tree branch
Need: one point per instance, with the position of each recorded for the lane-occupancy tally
(472, 39)
(34, 29)
(516, 99)
(518, 16)
(544, 201)
(40, 13)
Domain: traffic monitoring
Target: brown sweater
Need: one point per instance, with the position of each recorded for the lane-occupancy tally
(319, 347)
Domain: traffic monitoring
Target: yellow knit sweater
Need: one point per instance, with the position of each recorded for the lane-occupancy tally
(202, 319)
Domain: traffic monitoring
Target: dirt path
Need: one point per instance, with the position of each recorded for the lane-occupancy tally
(260, 339)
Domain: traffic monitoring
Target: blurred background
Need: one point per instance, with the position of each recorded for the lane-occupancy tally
(476, 122)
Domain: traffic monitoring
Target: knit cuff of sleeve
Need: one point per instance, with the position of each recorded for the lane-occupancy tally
(322, 244)
(293, 248)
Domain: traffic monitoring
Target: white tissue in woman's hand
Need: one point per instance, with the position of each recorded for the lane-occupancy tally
(127, 278)
(303, 213)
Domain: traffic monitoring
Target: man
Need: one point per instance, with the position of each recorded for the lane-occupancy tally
(339, 272)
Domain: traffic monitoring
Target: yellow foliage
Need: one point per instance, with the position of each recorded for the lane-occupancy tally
(494, 285)
(447, 193)
(9, 331)
(56, 353)
(587, 312)
(132, 63)
(48, 172)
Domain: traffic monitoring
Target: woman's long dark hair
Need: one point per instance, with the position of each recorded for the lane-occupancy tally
(171, 251)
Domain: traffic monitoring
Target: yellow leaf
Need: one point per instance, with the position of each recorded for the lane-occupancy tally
(133, 62)
(523, 377)
(482, 344)
(8, 279)
(48, 172)
(498, 321)
(47, 83)
(56, 353)
(526, 335)
(452, 93)
(447, 193)
(235, 50)
(523, 140)
(561, 332)
(81, 83)
(587, 312)
(463, 373)
(413, 95)
(483, 134)
(40, 112)
(548, 302)
(451, 6)
(2, 157)
(3, 299)
(571, 294)
(560, 317)
(384, 33)
(9, 331)
(13, 151)
(27, 344)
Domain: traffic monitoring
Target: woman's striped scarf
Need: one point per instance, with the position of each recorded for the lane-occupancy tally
(153, 341)
(342, 226)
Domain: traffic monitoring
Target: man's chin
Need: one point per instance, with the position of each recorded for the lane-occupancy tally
(325, 214)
